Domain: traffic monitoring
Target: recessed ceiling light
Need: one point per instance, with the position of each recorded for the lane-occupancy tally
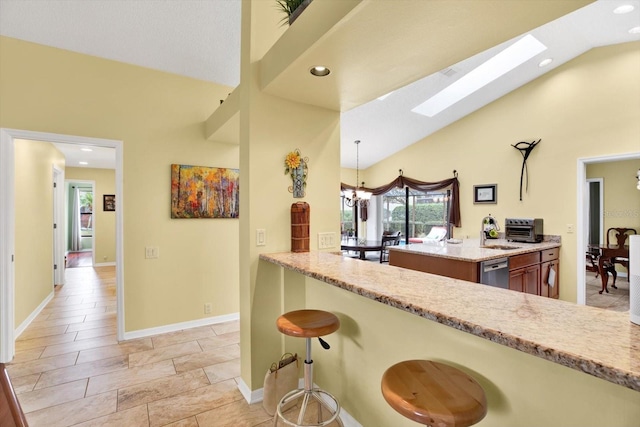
(86, 149)
(319, 71)
(505, 61)
(634, 30)
(625, 8)
(545, 62)
(83, 163)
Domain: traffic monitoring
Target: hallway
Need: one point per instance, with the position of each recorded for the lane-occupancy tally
(69, 368)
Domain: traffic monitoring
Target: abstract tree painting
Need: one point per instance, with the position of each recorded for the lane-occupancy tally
(204, 192)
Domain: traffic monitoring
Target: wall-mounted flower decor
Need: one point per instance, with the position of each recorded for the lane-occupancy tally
(296, 166)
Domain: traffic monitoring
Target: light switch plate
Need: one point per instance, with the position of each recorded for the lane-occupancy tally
(261, 237)
(326, 240)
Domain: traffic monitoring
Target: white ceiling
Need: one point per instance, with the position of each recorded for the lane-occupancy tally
(201, 39)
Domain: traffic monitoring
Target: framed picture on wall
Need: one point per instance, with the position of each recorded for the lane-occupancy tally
(487, 193)
(109, 202)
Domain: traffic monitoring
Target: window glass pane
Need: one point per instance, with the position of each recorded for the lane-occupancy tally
(86, 209)
(426, 210)
(346, 218)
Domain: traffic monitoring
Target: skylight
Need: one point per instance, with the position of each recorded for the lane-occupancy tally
(505, 61)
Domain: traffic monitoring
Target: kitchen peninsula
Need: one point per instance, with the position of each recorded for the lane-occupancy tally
(529, 264)
(406, 313)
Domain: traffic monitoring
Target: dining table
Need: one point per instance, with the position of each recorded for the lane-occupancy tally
(606, 254)
(361, 246)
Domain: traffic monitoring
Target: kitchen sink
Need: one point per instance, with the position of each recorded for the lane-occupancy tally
(502, 247)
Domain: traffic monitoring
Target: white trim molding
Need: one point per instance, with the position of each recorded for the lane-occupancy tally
(20, 329)
(142, 333)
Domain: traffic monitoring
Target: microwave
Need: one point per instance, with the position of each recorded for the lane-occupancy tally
(527, 230)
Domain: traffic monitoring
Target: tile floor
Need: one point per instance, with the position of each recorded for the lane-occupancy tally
(69, 369)
(616, 299)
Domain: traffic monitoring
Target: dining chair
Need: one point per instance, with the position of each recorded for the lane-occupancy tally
(388, 240)
(592, 255)
(618, 236)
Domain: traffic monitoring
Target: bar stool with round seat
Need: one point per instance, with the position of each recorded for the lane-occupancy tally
(308, 324)
(434, 394)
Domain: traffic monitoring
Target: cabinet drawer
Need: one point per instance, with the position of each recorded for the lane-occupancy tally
(549, 254)
(518, 261)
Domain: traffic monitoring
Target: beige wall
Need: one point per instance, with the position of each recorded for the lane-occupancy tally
(522, 390)
(104, 222)
(586, 108)
(159, 117)
(270, 128)
(34, 162)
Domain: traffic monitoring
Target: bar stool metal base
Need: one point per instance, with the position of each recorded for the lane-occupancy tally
(309, 398)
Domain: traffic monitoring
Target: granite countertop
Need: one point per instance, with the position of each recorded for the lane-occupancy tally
(470, 250)
(599, 342)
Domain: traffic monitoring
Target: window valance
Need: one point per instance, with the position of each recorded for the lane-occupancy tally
(402, 181)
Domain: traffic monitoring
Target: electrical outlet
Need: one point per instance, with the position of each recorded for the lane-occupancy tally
(326, 240)
(570, 228)
(151, 252)
(207, 308)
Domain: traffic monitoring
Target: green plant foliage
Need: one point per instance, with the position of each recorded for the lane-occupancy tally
(288, 7)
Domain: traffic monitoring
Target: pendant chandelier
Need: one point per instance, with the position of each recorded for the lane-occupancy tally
(357, 196)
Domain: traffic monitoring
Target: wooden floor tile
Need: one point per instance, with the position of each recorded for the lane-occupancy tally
(41, 365)
(69, 369)
(69, 347)
(72, 413)
(151, 391)
(134, 417)
(132, 376)
(122, 348)
(235, 414)
(182, 336)
(38, 399)
(194, 402)
(223, 371)
(206, 358)
(226, 327)
(164, 353)
(219, 341)
(82, 371)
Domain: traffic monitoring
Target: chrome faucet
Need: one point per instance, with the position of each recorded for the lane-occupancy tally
(483, 236)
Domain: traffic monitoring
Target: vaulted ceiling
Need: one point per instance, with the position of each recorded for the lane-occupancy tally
(201, 39)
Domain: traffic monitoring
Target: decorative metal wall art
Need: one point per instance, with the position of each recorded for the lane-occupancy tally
(296, 166)
(525, 149)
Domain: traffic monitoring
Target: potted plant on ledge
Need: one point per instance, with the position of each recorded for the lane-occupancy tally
(292, 8)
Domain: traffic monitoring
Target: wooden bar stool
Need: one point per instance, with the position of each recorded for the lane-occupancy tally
(434, 394)
(308, 324)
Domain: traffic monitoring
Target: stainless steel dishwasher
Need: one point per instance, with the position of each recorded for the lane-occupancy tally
(495, 272)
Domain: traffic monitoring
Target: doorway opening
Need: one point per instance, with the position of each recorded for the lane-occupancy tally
(8, 139)
(80, 223)
(593, 215)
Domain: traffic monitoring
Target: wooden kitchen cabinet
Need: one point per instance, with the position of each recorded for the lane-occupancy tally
(525, 280)
(549, 260)
(530, 273)
(454, 268)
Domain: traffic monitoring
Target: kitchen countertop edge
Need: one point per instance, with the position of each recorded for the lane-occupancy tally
(345, 273)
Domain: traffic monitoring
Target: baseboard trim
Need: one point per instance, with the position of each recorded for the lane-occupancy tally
(143, 333)
(20, 329)
(251, 397)
(105, 264)
(256, 396)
